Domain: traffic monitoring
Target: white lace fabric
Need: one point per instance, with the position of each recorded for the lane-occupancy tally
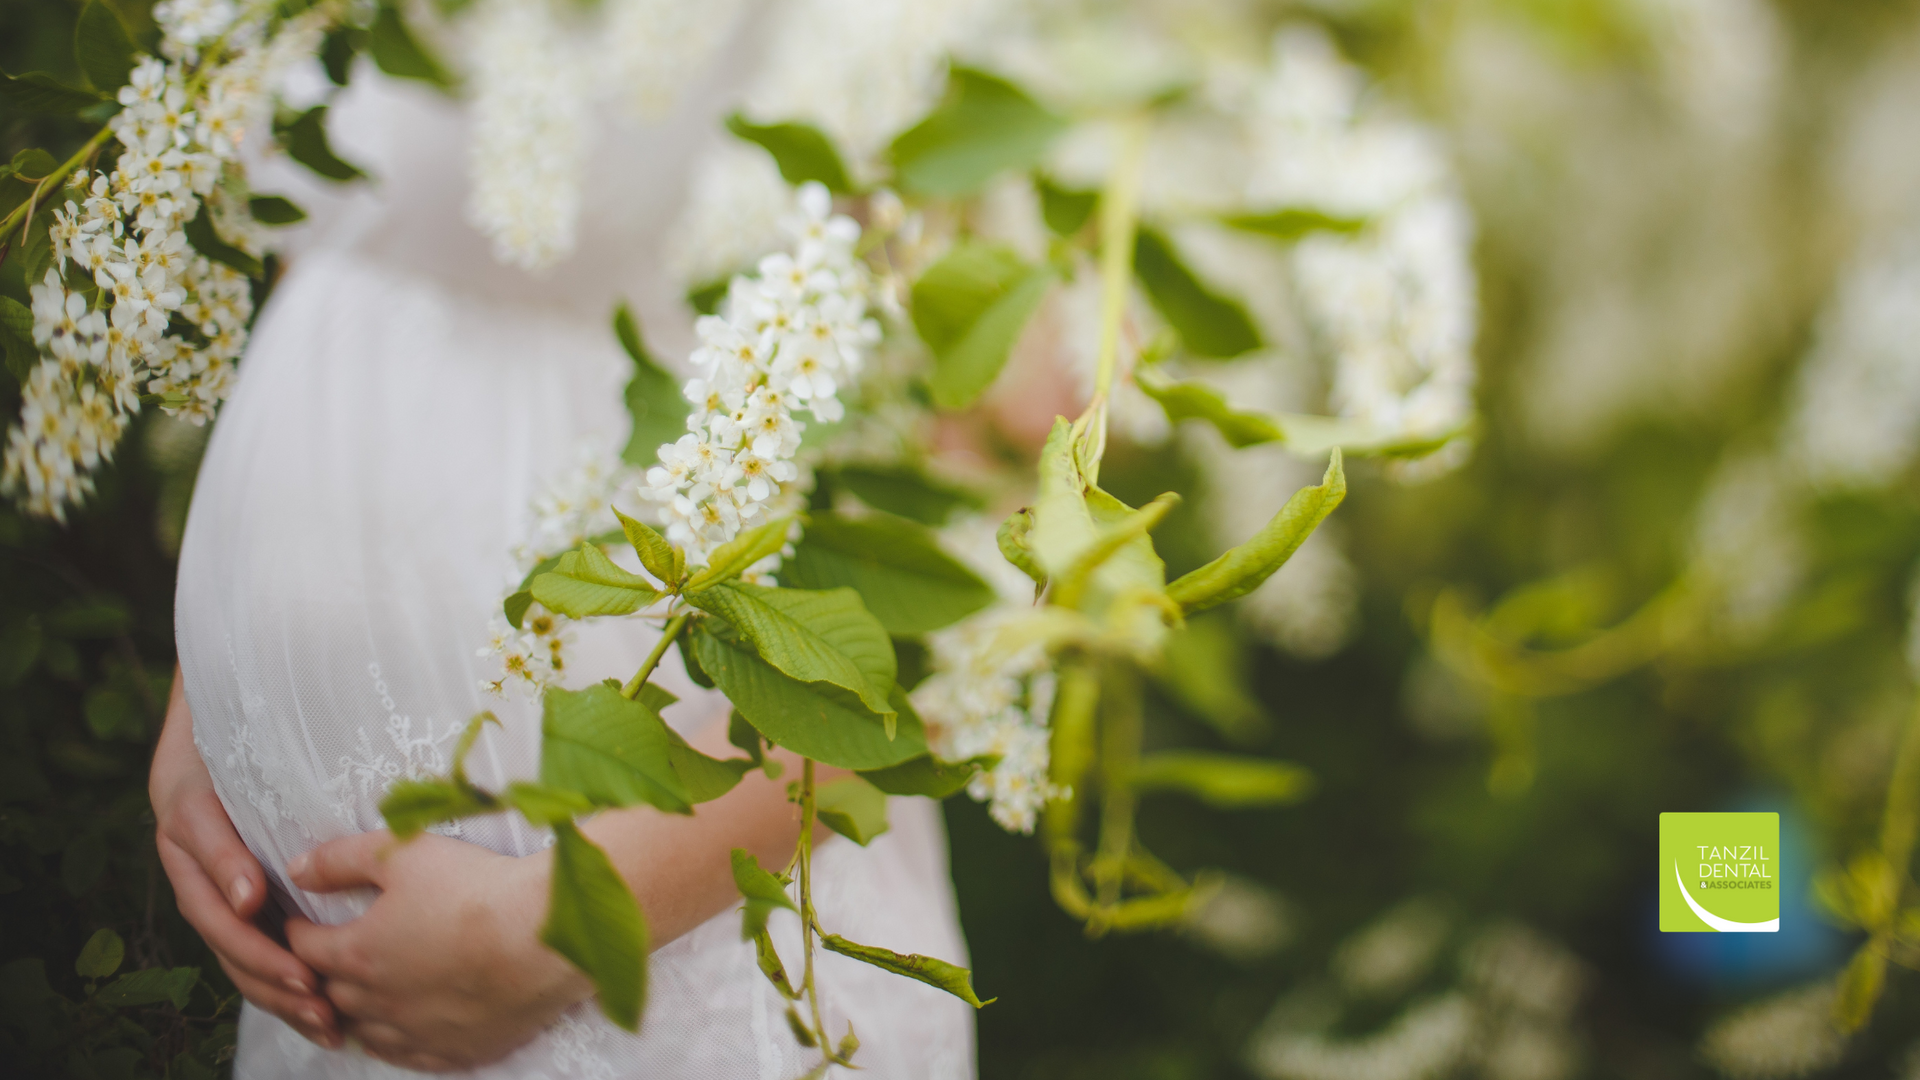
(401, 404)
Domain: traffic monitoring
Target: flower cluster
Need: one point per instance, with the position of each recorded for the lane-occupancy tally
(789, 337)
(529, 134)
(128, 305)
(574, 510)
(986, 700)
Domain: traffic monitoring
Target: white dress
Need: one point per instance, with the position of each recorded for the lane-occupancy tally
(402, 402)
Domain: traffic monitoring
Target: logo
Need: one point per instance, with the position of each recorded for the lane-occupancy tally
(1720, 872)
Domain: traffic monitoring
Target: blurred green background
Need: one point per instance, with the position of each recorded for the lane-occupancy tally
(1681, 204)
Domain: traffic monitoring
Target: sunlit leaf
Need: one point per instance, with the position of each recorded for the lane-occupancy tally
(614, 751)
(903, 577)
(815, 636)
(586, 583)
(661, 559)
(1292, 223)
(412, 805)
(732, 558)
(983, 125)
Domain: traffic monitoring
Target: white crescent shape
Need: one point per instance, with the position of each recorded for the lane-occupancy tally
(1726, 926)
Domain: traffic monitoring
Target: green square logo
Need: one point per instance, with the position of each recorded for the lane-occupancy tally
(1720, 872)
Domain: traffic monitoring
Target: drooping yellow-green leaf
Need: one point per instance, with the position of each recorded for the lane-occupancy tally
(1198, 401)
(586, 583)
(732, 558)
(853, 808)
(970, 308)
(952, 978)
(1227, 781)
(1016, 546)
(815, 636)
(1294, 222)
(762, 891)
(612, 750)
(1130, 528)
(1242, 569)
(593, 921)
(903, 577)
(816, 720)
(1303, 434)
(661, 558)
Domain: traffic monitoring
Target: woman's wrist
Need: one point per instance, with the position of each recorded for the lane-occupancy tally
(549, 975)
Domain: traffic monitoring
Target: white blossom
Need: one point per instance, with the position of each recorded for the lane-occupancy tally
(790, 336)
(529, 139)
(165, 320)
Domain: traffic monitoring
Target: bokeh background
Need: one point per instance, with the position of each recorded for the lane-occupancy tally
(1676, 574)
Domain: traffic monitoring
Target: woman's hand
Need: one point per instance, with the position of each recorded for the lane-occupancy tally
(445, 970)
(219, 885)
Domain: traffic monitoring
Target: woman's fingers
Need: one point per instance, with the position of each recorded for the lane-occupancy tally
(310, 1018)
(237, 941)
(200, 826)
(347, 863)
(333, 951)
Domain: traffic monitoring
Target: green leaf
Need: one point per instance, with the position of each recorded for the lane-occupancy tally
(205, 240)
(654, 399)
(1208, 323)
(1016, 547)
(812, 719)
(39, 93)
(36, 251)
(801, 151)
(927, 775)
(305, 140)
(705, 299)
(815, 636)
(16, 338)
(337, 52)
(853, 808)
(762, 891)
(897, 567)
(412, 805)
(906, 491)
(732, 558)
(32, 163)
(103, 47)
(982, 126)
(101, 955)
(1292, 223)
(706, 778)
(1071, 519)
(952, 978)
(1066, 212)
(593, 921)
(970, 308)
(741, 734)
(150, 986)
(1222, 780)
(543, 805)
(274, 210)
(1242, 569)
(661, 559)
(1197, 401)
(769, 960)
(400, 54)
(1127, 531)
(614, 751)
(586, 583)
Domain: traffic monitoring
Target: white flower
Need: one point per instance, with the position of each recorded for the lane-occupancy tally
(529, 134)
(790, 336)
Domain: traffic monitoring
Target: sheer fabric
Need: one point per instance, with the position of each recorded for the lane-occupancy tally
(402, 402)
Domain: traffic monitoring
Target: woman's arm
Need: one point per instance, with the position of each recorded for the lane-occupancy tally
(219, 885)
(446, 970)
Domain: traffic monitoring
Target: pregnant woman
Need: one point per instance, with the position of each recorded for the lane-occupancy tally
(403, 402)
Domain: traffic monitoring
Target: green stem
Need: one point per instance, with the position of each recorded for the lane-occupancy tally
(1901, 825)
(1119, 220)
(24, 210)
(671, 631)
(1120, 737)
(806, 901)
